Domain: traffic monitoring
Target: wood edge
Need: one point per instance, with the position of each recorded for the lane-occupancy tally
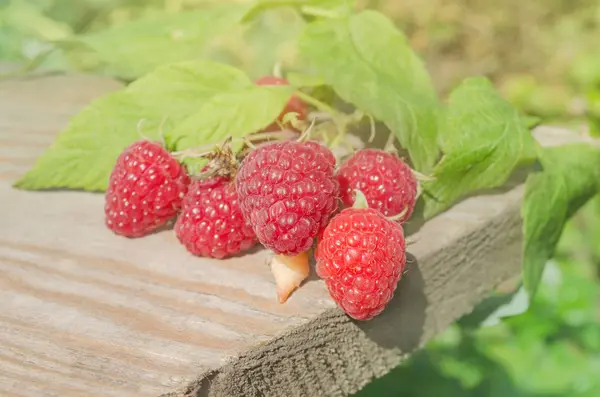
(333, 355)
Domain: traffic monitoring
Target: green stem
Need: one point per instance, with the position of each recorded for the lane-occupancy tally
(336, 117)
(204, 150)
(277, 135)
(338, 138)
(322, 106)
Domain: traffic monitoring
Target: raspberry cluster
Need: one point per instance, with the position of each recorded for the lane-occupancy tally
(284, 195)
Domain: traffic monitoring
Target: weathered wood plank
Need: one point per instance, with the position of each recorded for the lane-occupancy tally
(92, 311)
(84, 312)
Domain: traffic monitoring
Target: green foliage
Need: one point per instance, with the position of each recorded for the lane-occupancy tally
(231, 114)
(83, 155)
(571, 177)
(483, 139)
(381, 76)
(132, 49)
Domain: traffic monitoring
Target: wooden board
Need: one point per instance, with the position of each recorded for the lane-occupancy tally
(86, 313)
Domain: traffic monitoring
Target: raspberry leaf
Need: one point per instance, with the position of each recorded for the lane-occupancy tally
(484, 139)
(570, 177)
(137, 47)
(83, 155)
(236, 113)
(177, 90)
(370, 64)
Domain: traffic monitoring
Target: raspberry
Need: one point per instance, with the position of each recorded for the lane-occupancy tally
(211, 223)
(387, 182)
(295, 104)
(145, 190)
(361, 258)
(288, 192)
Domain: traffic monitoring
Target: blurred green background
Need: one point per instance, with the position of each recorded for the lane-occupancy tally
(544, 57)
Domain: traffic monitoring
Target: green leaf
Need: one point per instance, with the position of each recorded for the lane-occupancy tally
(370, 64)
(570, 177)
(134, 48)
(300, 80)
(483, 139)
(532, 121)
(236, 113)
(257, 45)
(179, 89)
(83, 154)
(30, 21)
(337, 7)
(593, 112)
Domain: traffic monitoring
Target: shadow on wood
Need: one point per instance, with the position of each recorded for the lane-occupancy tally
(401, 323)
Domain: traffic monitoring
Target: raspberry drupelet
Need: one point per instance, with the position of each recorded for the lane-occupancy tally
(145, 190)
(288, 192)
(387, 182)
(361, 257)
(211, 223)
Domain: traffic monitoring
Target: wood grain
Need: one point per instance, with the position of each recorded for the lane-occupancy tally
(86, 313)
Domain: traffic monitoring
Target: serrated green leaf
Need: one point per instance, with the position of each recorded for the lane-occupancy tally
(84, 153)
(571, 176)
(483, 139)
(235, 114)
(179, 89)
(134, 48)
(370, 64)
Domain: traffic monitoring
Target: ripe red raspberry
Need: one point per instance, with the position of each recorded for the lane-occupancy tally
(295, 104)
(288, 192)
(387, 182)
(145, 190)
(361, 258)
(211, 223)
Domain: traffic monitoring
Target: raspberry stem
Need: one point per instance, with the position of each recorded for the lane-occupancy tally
(320, 105)
(422, 177)
(389, 144)
(340, 120)
(207, 150)
(399, 215)
(277, 69)
(373, 129)
(347, 119)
